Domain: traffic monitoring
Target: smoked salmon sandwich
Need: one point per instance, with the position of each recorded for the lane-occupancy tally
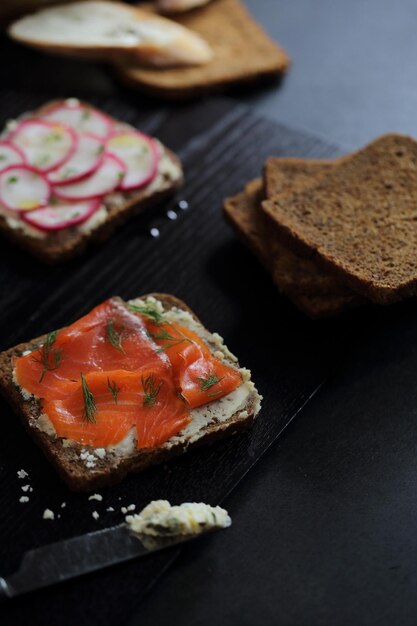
(127, 386)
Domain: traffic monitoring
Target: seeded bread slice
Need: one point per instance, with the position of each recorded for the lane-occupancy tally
(113, 467)
(360, 221)
(295, 276)
(242, 51)
(118, 207)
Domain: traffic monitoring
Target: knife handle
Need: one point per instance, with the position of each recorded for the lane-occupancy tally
(4, 590)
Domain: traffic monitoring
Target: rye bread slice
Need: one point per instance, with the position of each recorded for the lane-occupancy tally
(113, 468)
(243, 53)
(294, 276)
(360, 221)
(61, 245)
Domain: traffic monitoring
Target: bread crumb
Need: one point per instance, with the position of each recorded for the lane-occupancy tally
(95, 515)
(23, 499)
(154, 232)
(63, 505)
(171, 215)
(25, 487)
(110, 508)
(126, 509)
(96, 496)
(100, 452)
(183, 205)
(48, 514)
(22, 473)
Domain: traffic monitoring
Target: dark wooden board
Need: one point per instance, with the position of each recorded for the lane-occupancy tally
(198, 259)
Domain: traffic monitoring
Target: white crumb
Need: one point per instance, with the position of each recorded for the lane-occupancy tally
(110, 508)
(63, 505)
(25, 487)
(96, 496)
(48, 514)
(100, 452)
(23, 499)
(183, 205)
(127, 509)
(171, 215)
(154, 232)
(95, 515)
(22, 473)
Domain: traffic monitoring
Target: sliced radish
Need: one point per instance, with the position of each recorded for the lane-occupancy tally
(84, 161)
(61, 214)
(140, 155)
(104, 180)
(10, 155)
(22, 188)
(46, 145)
(82, 118)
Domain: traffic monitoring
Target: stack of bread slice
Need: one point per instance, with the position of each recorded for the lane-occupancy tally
(335, 234)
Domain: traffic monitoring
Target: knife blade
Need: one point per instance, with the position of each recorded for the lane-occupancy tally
(70, 558)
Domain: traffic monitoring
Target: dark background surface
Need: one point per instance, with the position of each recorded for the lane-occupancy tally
(325, 525)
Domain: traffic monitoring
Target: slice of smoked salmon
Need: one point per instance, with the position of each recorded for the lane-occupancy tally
(201, 377)
(146, 399)
(110, 337)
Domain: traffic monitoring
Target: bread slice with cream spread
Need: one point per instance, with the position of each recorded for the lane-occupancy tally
(242, 53)
(107, 31)
(52, 244)
(85, 467)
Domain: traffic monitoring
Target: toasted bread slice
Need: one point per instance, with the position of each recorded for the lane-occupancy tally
(242, 53)
(360, 220)
(295, 276)
(117, 208)
(216, 420)
(103, 30)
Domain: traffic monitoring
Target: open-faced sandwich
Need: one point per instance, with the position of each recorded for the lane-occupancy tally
(70, 173)
(127, 386)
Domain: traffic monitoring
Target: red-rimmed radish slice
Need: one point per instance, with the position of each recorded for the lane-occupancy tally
(82, 118)
(85, 159)
(10, 155)
(104, 180)
(22, 188)
(61, 214)
(140, 155)
(46, 145)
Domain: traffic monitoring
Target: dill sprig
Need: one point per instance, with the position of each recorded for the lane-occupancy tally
(90, 408)
(164, 335)
(113, 388)
(114, 337)
(151, 390)
(149, 311)
(49, 357)
(207, 382)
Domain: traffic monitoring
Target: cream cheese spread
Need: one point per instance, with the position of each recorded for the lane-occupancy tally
(161, 519)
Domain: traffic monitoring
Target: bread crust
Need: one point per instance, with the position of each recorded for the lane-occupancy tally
(66, 459)
(60, 246)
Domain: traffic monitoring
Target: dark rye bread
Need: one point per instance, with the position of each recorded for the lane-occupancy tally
(111, 469)
(293, 275)
(360, 221)
(61, 245)
(243, 53)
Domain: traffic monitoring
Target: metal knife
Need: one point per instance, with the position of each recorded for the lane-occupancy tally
(70, 558)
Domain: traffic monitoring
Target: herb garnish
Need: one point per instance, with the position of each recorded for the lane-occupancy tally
(49, 356)
(114, 337)
(90, 409)
(149, 311)
(208, 382)
(12, 179)
(151, 390)
(113, 388)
